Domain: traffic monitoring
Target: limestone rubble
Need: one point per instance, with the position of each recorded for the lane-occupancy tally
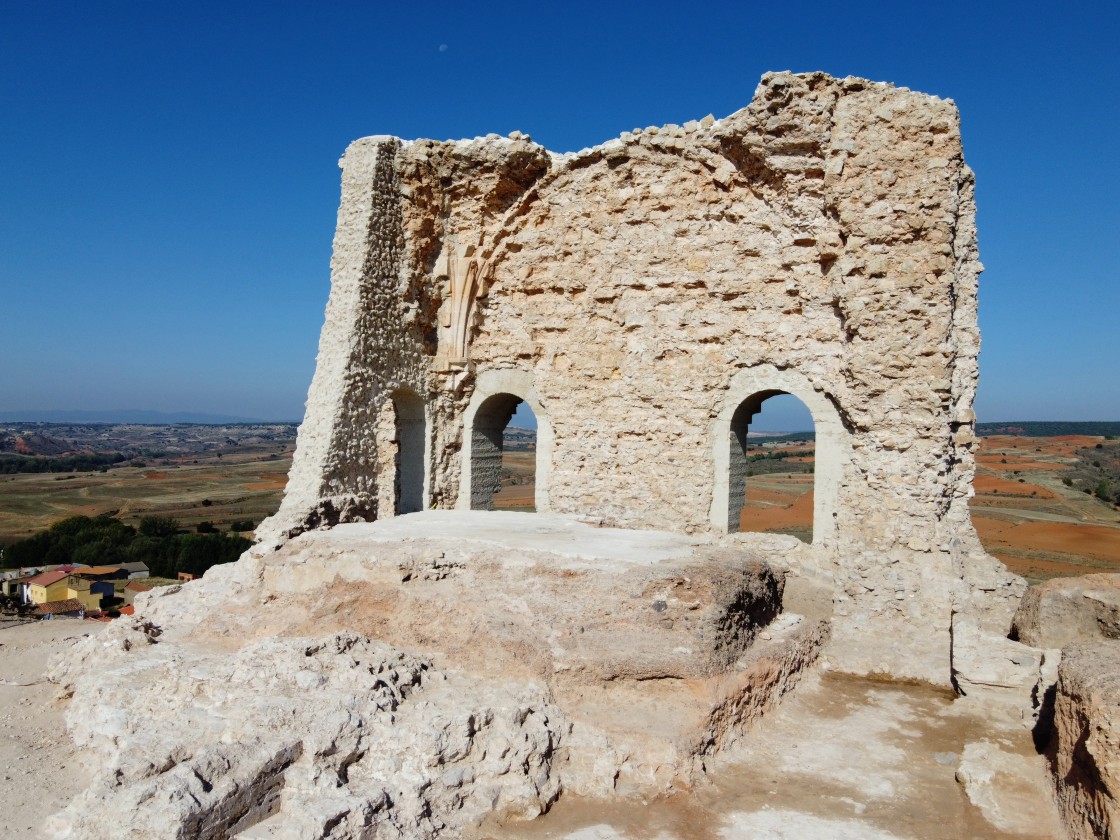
(543, 655)
(353, 735)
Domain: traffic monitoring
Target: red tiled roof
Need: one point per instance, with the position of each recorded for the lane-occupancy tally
(137, 586)
(128, 610)
(47, 578)
(56, 607)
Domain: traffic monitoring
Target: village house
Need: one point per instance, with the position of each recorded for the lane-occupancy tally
(18, 585)
(7, 575)
(61, 585)
(48, 586)
(103, 580)
(136, 571)
(131, 590)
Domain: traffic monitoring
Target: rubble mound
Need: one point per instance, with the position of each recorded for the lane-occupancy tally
(412, 677)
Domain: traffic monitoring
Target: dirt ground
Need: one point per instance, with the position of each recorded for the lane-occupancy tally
(40, 770)
(842, 759)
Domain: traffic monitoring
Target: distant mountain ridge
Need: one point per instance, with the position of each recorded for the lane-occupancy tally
(130, 415)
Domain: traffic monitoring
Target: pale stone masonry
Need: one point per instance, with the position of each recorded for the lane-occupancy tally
(644, 296)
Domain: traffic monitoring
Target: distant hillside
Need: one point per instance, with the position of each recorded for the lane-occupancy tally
(1051, 428)
(33, 443)
(517, 439)
(129, 415)
(782, 437)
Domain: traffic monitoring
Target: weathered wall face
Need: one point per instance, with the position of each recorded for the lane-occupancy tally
(821, 242)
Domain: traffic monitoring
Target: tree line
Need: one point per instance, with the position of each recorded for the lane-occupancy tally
(85, 462)
(158, 541)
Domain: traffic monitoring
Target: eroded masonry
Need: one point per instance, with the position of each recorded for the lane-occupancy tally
(644, 297)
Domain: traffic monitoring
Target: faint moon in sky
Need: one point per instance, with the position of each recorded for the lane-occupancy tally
(443, 47)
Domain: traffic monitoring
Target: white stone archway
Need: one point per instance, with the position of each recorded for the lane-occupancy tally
(745, 394)
(496, 395)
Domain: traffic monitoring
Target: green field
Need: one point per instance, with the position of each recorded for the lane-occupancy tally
(234, 487)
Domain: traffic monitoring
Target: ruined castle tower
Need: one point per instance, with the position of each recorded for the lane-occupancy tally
(644, 297)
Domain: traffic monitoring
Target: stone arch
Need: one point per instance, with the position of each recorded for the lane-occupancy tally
(410, 435)
(496, 396)
(747, 391)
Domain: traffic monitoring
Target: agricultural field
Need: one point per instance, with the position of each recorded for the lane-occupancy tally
(1046, 506)
(779, 492)
(518, 486)
(195, 475)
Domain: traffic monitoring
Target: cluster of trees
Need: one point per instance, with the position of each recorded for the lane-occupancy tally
(103, 541)
(778, 455)
(86, 462)
(1103, 491)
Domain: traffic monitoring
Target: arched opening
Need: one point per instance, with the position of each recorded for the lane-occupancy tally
(409, 437)
(502, 398)
(747, 390)
(771, 466)
(491, 465)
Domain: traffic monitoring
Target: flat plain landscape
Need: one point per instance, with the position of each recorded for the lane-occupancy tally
(1038, 505)
(192, 473)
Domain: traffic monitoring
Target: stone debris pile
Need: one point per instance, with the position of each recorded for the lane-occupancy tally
(415, 677)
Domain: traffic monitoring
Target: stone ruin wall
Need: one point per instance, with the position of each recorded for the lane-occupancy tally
(821, 241)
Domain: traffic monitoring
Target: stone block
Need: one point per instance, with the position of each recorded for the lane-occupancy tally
(1064, 611)
(1085, 743)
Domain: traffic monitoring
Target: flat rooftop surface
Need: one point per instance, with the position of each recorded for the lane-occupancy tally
(562, 535)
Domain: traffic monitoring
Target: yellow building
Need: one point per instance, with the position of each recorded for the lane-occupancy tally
(49, 586)
(61, 586)
(78, 588)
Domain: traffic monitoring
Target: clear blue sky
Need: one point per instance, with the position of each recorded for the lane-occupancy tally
(169, 181)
